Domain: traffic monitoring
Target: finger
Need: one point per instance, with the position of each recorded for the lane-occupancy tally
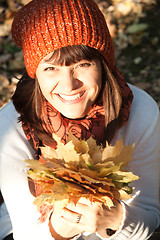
(75, 220)
(78, 207)
(64, 227)
(71, 215)
(80, 222)
(85, 201)
(81, 207)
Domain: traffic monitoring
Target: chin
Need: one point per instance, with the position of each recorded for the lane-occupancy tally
(74, 113)
(75, 116)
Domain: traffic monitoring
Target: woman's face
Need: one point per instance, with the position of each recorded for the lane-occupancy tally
(70, 89)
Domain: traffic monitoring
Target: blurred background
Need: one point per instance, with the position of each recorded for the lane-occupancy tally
(135, 29)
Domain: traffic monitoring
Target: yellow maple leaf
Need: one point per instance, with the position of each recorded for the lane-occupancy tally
(108, 201)
(81, 146)
(48, 152)
(112, 151)
(125, 177)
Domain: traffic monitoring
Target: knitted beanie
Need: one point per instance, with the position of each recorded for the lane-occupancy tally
(42, 26)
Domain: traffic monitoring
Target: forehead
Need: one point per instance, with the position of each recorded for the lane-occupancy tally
(71, 54)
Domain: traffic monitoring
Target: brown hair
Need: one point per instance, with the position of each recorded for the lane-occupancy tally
(28, 97)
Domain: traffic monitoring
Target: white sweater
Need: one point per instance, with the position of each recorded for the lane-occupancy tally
(141, 214)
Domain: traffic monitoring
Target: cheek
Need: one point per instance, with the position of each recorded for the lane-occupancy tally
(98, 82)
(43, 87)
(96, 78)
(46, 85)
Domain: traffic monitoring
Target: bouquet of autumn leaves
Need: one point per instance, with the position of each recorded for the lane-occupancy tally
(81, 168)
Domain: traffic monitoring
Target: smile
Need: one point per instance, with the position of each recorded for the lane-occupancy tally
(70, 98)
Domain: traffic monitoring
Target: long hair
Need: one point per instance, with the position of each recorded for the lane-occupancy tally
(28, 98)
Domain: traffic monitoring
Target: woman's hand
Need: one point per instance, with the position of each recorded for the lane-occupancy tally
(93, 218)
(111, 219)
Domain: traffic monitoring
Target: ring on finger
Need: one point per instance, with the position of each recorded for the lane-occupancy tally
(78, 219)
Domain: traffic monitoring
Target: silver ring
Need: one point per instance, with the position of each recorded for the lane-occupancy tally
(78, 219)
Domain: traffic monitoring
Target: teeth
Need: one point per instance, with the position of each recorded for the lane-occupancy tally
(70, 98)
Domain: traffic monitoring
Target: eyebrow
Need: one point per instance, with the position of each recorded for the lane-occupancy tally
(58, 63)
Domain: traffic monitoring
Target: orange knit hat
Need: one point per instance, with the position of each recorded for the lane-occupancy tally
(42, 26)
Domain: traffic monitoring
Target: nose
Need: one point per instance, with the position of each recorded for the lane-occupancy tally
(69, 81)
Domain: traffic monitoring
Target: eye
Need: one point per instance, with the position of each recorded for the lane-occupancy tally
(86, 64)
(50, 69)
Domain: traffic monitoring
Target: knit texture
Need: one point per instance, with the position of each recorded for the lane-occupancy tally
(42, 26)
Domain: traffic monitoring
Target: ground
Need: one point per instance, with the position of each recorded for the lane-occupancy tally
(134, 26)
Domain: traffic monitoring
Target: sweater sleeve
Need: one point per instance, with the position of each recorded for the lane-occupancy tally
(142, 211)
(5, 222)
(14, 148)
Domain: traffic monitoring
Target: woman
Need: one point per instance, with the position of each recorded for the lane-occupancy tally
(71, 84)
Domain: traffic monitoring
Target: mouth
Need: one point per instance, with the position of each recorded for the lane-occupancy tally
(71, 98)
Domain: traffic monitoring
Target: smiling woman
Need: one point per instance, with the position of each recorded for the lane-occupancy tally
(75, 76)
(70, 89)
(71, 85)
